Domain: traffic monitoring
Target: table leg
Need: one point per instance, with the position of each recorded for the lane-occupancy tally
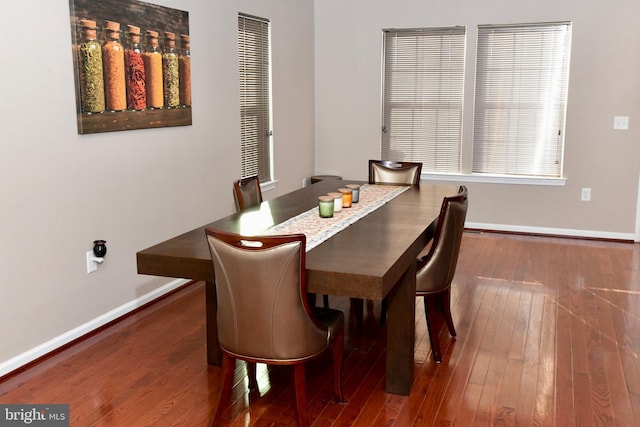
(401, 333)
(214, 354)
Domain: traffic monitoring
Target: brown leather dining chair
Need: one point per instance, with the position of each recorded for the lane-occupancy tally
(263, 313)
(437, 269)
(247, 193)
(390, 172)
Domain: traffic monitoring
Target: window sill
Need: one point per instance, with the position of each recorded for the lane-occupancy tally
(494, 179)
(269, 185)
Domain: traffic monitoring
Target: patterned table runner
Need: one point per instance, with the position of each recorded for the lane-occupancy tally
(319, 229)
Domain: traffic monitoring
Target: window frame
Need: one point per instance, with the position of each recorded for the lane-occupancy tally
(532, 91)
(255, 96)
(466, 174)
(421, 58)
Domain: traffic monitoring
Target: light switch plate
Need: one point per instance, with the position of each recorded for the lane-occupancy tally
(621, 122)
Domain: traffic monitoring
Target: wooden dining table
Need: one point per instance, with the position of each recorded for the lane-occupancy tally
(374, 258)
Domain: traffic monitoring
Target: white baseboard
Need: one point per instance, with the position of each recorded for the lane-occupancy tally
(59, 341)
(553, 231)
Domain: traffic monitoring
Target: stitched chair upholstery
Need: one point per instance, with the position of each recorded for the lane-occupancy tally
(247, 193)
(263, 313)
(390, 172)
(437, 269)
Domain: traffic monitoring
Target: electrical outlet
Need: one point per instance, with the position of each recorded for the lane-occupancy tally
(91, 264)
(585, 195)
(621, 122)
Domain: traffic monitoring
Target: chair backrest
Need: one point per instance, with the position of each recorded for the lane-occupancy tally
(247, 193)
(263, 313)
(442, 259)
(389, 172)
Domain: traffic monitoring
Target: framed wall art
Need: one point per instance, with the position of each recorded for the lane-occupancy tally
(132, 65)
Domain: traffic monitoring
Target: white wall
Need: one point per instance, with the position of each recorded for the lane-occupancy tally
(59, 191)
(604, 82)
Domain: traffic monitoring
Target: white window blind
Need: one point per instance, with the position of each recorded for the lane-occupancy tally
(255, 97)
(521, 92)
(422, 97)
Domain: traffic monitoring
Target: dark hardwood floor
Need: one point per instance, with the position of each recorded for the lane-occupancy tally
(548, 335)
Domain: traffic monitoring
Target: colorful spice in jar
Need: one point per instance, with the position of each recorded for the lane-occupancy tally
(114, 77)
(90, 69)
(152, 58)
(170, 74)
(134, 69)
(185, 70)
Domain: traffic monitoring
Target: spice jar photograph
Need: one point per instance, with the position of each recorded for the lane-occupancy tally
(114, 77)
(134, 70)
(90, 69)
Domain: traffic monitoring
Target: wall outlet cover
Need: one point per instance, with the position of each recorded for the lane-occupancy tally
(621, 122)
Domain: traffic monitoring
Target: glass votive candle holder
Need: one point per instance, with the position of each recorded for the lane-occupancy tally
(325, 206)
(337, 201)
(347, 195)
(355, 192)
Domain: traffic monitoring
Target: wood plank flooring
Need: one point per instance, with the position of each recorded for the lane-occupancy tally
(548, 335)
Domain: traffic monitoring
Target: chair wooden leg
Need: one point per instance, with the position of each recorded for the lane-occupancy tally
(300, 390)
(446, 311)
(311, 299)
(433, 336)
(325, 301)
(251, 374)
(338, 353)
(357, 308)
(383, 311)
(228, 366)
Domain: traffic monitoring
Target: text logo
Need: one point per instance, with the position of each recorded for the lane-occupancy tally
(34, 415)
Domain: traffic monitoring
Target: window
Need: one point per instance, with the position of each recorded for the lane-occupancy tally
(422, 97)
(255, 96)
(521, 96)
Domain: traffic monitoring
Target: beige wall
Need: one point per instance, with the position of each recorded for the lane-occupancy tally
(604, 82)
(59, 191)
